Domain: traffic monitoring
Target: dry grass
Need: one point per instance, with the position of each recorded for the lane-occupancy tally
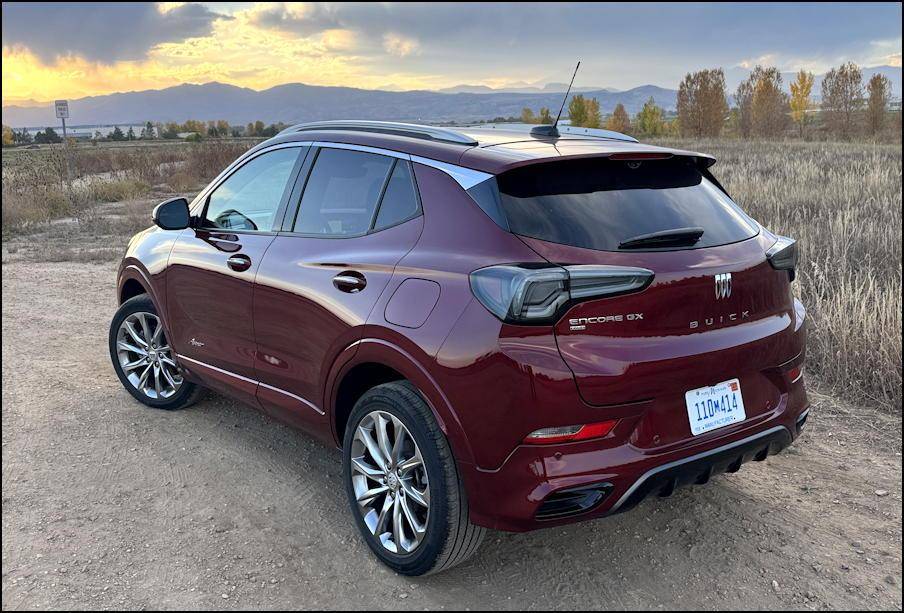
(843, 203)
(40, 185)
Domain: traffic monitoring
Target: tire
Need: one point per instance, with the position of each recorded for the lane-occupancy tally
(164, 387)
(448, 538)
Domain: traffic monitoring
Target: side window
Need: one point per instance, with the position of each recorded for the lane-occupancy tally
(399, 200)
(250, 197)
(342, 192)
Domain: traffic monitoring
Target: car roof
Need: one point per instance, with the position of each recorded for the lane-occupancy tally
(493, 148)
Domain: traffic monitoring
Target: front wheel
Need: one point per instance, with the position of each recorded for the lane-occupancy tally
(143, 359)
(403, 486)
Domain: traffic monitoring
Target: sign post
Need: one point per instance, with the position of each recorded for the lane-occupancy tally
(62, 112)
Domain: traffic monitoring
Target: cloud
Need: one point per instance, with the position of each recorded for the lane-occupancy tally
(99, 31)
(400, 46)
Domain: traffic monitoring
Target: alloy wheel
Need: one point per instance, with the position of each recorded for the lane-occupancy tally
(146, 358)
(389, 479)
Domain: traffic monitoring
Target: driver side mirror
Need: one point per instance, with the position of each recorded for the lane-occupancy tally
(172, 214)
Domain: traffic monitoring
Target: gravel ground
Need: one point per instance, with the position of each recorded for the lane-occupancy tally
(107, 504)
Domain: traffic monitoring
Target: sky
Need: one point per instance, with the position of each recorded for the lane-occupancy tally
(75, 49)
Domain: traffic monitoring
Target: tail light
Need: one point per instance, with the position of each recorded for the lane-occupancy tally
(783, 255)
(569, 434)
(522, 294)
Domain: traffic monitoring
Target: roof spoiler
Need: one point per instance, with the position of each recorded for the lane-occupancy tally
(554, 131)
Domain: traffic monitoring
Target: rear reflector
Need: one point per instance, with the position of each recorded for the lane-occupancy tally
(568, 434)
(795, 374)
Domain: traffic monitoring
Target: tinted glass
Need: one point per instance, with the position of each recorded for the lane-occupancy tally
(399, 200)
(598, 204)
(341, 193)
(250, 197)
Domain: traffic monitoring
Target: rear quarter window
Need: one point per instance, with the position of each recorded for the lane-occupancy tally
(597, 203)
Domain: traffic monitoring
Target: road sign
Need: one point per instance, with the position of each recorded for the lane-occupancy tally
(62, 109)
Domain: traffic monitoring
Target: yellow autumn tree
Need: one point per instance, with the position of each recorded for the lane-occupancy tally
(801, 88)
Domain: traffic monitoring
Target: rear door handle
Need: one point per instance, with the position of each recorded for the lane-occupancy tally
(350, 281)
(239, 262)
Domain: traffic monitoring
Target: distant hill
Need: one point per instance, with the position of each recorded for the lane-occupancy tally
(522, 88)
(297, 102)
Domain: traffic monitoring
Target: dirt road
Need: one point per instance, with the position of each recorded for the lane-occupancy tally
(110, 505)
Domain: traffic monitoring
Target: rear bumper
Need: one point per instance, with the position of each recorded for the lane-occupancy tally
(543, 486)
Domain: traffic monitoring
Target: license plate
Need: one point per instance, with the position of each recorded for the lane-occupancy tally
(714, 407)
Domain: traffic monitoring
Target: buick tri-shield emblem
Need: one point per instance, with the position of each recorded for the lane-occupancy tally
(723, 285)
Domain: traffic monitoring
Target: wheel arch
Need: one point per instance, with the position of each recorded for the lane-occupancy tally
(133, 281)
(375, 361)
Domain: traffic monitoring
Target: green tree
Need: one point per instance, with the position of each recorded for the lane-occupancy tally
(842, 98)
(545, 117)
(577, 110)
(593, 117)
(701, 103)
(117, 134)
(649, 120)
(801, 89)
(130, 135)
(22, 137)
(879, 89)
(49, 135)
(8, 140)
(619, 120)
(527, 116)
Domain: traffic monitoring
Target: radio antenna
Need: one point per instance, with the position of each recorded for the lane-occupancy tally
(553, 129)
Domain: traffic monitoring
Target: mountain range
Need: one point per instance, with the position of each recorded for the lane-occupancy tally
(298, 102)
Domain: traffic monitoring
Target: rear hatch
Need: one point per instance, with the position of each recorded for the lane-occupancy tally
(692, 326)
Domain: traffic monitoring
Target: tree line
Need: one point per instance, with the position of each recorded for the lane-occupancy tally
(762, 109)
(192, 130)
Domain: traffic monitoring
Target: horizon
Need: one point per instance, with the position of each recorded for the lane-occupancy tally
(394, 47)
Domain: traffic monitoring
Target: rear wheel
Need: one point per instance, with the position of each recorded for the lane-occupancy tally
(143, 358)
(403, 485)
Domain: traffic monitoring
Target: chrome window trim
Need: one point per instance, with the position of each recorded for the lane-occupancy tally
(249, 380)
(466, 177)
(362, 148)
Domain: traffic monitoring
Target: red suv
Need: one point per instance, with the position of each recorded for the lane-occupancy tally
(500, 328)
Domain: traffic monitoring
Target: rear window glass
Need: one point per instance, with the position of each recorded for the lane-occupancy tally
(600, 203)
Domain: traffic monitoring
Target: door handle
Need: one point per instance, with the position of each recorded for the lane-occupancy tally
(239, 262)
(350, 281)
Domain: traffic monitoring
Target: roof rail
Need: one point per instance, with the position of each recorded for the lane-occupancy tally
(544, 131)
(387, 127)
